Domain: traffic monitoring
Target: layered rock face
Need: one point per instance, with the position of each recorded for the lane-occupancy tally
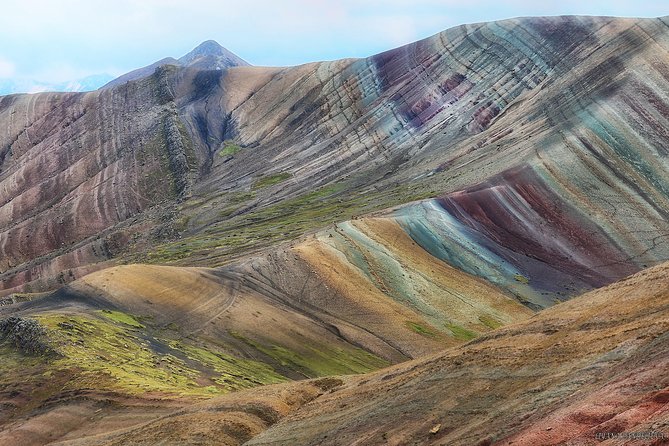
(75, 169)
(540, 139)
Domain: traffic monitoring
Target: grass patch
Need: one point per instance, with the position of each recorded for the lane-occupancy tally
(420, 329)
(227, 234)
(490, 322)
(233, 373)
(109, 356)
(107, 353)
(122, 318)
(229, 149)
(317, 361)
(228, 211)
(240, 197)
(460, 332)
(102, 352)
(270, 180)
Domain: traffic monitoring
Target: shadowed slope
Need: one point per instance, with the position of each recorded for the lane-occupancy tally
(229, 421)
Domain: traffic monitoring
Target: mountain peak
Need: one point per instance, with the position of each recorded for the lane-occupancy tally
(211, 55)
(209, 47)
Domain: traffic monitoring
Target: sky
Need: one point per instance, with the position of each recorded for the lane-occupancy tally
(62, 40)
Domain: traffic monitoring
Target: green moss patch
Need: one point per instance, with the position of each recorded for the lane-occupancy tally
(420, 329)
(490, 322)
(317, 361)
(109, 355)
(229, 149)
(122, 318)
(460, 332)
(270, 180)
(233, 373)
(114, 351)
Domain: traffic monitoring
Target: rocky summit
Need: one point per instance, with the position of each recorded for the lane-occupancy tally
(461, 241)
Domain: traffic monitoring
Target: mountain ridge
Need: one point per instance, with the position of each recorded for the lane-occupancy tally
(302, 140)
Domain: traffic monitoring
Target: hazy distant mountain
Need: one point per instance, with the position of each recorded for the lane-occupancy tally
(208, 55)
(88, 83)
(211, 55)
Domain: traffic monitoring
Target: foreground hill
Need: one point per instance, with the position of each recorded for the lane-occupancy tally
(582, 367)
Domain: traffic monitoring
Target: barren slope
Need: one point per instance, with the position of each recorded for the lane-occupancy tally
(597, 363)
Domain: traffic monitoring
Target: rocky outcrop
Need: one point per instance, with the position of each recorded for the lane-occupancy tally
(177, 154)
(25, 335)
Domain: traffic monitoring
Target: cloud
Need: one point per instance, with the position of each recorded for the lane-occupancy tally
(7, 68)
(81, 37)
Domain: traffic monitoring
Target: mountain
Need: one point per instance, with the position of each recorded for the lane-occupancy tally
(88, 83)
(415, 216)
(209, 55)
(545, 201)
